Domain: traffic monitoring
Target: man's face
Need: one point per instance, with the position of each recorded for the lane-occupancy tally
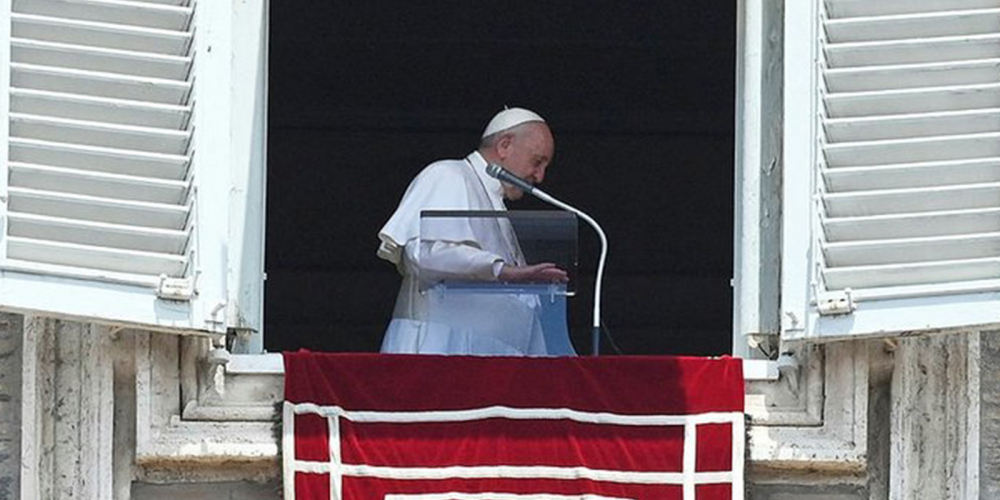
(527, 155)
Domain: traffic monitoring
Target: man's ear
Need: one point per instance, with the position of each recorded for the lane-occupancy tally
(504, 145)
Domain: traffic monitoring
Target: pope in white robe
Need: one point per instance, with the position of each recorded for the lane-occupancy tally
(477, 249)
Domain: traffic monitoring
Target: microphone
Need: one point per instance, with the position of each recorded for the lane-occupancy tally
(496, 171)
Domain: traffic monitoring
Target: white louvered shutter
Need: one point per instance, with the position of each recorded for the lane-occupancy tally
(892, 167)
(116, 181)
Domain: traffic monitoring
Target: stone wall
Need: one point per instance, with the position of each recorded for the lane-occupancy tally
(10, 406)
(88, 411)
(989, 411)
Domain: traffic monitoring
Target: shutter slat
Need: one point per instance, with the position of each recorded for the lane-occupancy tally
(179, 3)
(99, 134)
(112, 36)
(912, 150)
(120, 111)
(117, 161)
(92, 257)
(913, 25)
(924, 174)
(912, 225)
(94, 83)
(915, 200)
(913, 76)
(919, 50)
(127, 13)
(918, 100)
(911, 250)
(97, 184)
(913, 125)
(97, 209)
(98, 234)
(63, 55)
(912, 274)
(866, 8)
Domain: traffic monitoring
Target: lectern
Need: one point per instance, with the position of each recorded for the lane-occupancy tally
(474, 314)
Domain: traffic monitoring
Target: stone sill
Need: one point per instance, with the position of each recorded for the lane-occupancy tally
(271, 363)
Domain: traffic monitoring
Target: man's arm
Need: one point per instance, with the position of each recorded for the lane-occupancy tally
(440, 260)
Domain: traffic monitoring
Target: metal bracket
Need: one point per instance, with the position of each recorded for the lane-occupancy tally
(835, 304)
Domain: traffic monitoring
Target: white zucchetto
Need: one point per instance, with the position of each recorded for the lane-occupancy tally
(509, 118)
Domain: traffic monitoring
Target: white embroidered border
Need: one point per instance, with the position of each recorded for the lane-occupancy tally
(688, 478)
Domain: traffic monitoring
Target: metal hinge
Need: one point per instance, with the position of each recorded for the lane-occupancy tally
(177, 288)
(836, 303)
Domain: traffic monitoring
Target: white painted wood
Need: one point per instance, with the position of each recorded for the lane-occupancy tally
(912, 175)
(102, 109)
(864, 8)
(911, 76)
(95, 257)
(912, 150)
(912, 200)
(90, 133)
(905, 250)
(99, 159)
(911, 225)
(128, 62)
(106, 183)
(99, 184)
(913, 100)
(96, 233)
(943, 123)
(913, 25)
(96, 209)
(245, 248)
(913, 50)
(799, 155)
(901, 274)
(213, 165)
(877, 313)
(131, 13)
(748, 298)
(5, 107)
(97, 34)
(99, 84)
(905, 163)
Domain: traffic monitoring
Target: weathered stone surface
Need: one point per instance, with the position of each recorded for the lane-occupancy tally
(236, 489)
(807, 492)
(930, 427)
(10, 406)
(989, 411)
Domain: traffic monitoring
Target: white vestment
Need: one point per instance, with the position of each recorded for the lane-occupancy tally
(459, 249)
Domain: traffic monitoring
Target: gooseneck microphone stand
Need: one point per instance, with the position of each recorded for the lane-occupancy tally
(502, 174)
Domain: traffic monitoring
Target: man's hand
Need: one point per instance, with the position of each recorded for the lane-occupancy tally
(545, 272)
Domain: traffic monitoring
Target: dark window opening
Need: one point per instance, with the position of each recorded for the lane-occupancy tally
(640, 100)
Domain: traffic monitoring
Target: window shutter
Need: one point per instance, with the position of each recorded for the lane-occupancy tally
(109, 202)
(892, 167)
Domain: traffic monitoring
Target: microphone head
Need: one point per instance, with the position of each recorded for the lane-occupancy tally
(494, 170)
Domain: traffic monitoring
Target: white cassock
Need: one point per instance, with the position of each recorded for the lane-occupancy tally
(461, 249)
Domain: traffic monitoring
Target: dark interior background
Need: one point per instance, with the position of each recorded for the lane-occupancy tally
(640, 98)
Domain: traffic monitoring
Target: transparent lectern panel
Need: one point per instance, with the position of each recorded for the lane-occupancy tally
(469, 311)
(463, 246)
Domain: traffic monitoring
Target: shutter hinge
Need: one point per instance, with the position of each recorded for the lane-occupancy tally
(836, 303)
(177, 288)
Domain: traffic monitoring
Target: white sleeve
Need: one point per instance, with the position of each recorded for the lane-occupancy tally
(441, 260)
